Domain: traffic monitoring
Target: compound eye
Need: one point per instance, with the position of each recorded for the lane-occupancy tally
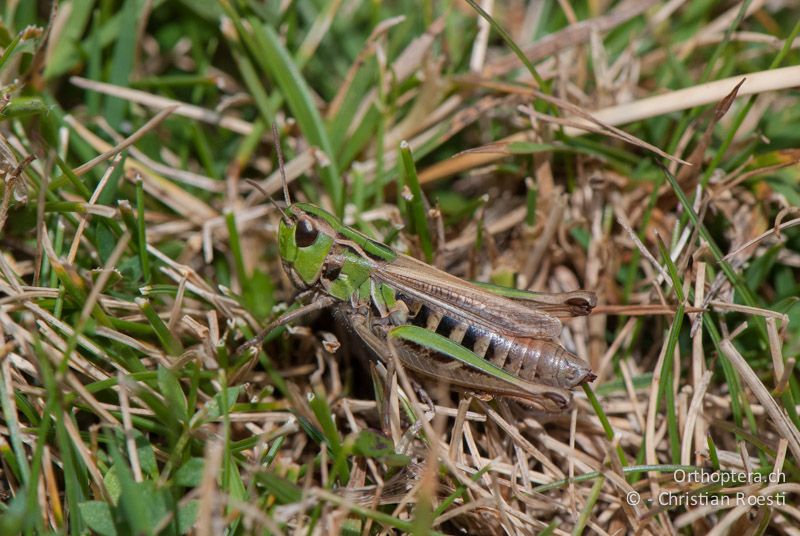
(305, 234)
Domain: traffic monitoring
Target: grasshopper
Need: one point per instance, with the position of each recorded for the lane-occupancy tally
(492, 341)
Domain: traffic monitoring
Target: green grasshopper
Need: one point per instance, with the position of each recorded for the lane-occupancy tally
(482, 340)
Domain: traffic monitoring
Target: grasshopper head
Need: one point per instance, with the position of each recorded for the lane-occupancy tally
(307, 235)
(305, 240)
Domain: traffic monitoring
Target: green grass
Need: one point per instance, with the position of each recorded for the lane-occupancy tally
(126, 285)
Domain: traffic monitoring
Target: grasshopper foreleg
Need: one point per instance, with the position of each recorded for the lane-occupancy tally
(320, 303)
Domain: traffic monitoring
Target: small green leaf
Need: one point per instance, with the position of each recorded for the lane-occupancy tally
(187, 514)
(373, 444)
(66, 55)
(214, 407)
(418, 217)
(285, 492)
(322, 411)
(20, 107)
(14, 515)
(526, 147)
(173, 393)
(133, 504)
(172, 345)
(261, 291)
(310, 429)
(122, 61)
(105, 239)
(147, 458)
(190, 474)
(112, 484)
(99, 517)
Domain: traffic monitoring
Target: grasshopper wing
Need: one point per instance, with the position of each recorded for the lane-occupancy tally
(559, 304)
(466, 301)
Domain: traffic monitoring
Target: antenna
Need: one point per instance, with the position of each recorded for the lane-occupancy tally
(258, 187)
(276, 140)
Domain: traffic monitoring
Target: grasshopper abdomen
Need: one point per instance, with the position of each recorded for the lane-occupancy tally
(534, 360)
